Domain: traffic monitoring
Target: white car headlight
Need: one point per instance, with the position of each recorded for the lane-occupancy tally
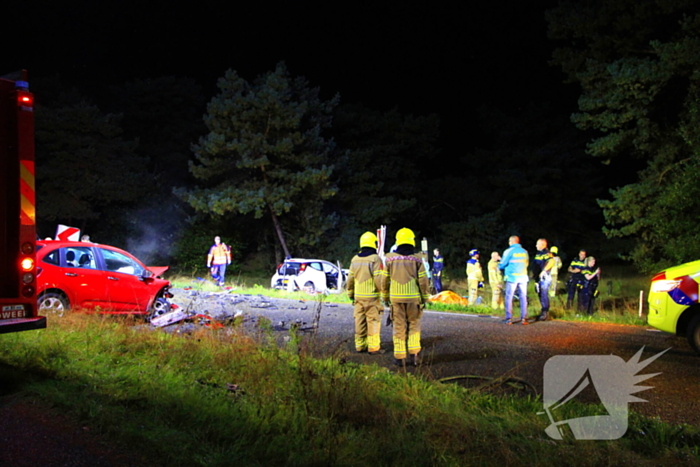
(665, 285)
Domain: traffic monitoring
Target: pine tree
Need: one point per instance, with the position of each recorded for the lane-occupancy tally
(638, 64)
(265, 153)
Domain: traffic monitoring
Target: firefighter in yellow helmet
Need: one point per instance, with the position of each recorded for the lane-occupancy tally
(364, 284)
(407, 288)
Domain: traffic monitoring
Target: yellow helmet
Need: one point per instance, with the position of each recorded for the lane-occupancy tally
(405, 236)
(554, 250)
(368, 239)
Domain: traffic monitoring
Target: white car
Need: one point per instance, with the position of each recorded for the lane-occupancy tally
(309, 275)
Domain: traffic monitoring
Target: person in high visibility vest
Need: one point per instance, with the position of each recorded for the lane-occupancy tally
(555, 271)
(218, 258)
(407, 288)
(364, 284)
(542, 275)
(475, 276)
(496, 281)
(576, 279)
(591, 277)
(514, 267)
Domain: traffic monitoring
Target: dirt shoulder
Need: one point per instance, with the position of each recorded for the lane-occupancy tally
(35, 434)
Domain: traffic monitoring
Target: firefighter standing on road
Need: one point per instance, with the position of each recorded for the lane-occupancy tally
(364, 284)
(218, 258)
(407, 288)
(475, 276)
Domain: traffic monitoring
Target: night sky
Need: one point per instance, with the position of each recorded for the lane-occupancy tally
(447, 58)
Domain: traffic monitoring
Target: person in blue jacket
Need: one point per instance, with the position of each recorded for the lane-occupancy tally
(514, 265)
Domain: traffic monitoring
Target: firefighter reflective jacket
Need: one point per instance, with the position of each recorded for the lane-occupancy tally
(405, 279)
(495, 274)
(219, 254)
(474, 272)
(365, 279)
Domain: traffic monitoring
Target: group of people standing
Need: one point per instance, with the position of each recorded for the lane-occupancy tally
(508, 277)
(400, 282)
(584, 277)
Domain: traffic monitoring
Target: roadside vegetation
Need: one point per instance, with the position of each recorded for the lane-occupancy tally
(234, 397)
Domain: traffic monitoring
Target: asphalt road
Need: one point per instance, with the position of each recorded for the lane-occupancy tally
(482, 346)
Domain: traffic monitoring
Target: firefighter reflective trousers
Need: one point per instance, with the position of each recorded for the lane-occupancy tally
(497, 297)
(406, 317)
(367, 324)
(473, 291)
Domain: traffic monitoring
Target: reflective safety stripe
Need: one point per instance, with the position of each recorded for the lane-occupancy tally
(399, 348)
(27, 193)
(373, 343)
(414, 343)
(366, 289)
(360, 342)
(404, 291)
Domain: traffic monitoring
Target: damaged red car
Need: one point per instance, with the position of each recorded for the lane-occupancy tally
(97, 277)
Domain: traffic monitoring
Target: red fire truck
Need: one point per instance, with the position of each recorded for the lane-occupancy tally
(18, 305)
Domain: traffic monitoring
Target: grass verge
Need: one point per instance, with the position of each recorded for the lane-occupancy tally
(228, 397)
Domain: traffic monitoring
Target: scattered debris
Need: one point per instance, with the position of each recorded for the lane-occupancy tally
(171, 317)
(196, 309)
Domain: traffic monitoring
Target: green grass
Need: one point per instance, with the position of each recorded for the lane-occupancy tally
(234, 398)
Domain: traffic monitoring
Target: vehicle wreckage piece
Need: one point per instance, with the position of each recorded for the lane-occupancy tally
(170, 317)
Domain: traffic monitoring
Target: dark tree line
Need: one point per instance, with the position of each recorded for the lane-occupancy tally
(276, 169)
(637, 63)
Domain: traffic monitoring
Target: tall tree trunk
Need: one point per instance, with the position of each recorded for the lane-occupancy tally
(280, 235)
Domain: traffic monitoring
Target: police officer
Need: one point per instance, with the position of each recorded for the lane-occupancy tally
(575, 281)
(591, 277)
(364, 284)
(406, 286)
(542, 269)
(438, 266)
